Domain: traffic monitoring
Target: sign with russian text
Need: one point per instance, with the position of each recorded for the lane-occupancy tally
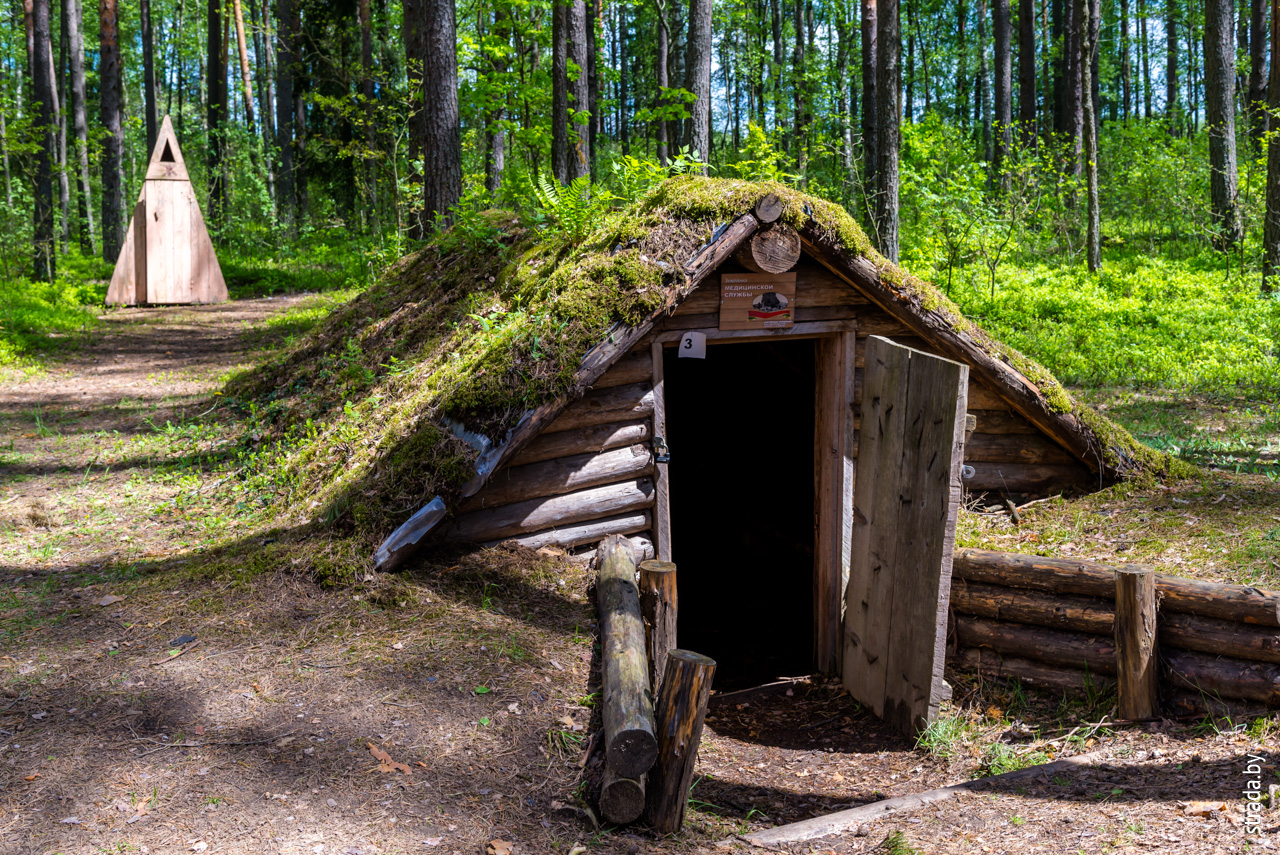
(757, 301)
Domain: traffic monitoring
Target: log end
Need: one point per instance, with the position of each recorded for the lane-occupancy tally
(769, 208)
(631, 753)
(621, 799)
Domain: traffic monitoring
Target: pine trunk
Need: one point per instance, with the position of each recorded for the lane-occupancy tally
(148, 72)
(1126, 71)
(870, 97)
(1004, 85)
(1257, 69)
(1171, 61)
(697, 66)
(1027, 68)
(286, 200)
(1271, 227)
(442, 147)
(72, 16)
(579, 92)
(1219, 62)
(216, 111)
(45, 129)
(112, 94)
(246, 76)
(1093, 236)
(560, 90)
(889, 44)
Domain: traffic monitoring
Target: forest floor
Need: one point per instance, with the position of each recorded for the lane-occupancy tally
(170, 683)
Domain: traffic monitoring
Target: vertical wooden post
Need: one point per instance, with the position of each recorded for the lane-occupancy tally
(682, 705)
(658, 604)
(1136, 659)
(661, 485)
(629, 742)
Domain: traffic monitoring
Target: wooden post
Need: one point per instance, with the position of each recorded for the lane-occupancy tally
(661, 478)
(682, 704)
(621, 799)
(629, 741)
(658, 605)
(1136, 659)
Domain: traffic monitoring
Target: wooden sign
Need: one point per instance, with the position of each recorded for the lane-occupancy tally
(757, 301)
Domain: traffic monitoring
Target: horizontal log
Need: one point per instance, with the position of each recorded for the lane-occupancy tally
(1028, 477)
(999, 422)
(562, 475)
(1220, 637)
(983, 397)
(1222, 677)
(1032, 449)
(1094, 653)
(1060, 611)
(634, 367)
(581, 534)
(715, 335)
(772, 249)
(1091, 579)
(617, 404)
(553, 511)
(593, 439)
(993, 665)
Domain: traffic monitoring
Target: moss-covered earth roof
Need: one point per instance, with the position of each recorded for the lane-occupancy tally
(475, 330)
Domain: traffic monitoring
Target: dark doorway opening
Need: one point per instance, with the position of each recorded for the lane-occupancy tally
(740, 426)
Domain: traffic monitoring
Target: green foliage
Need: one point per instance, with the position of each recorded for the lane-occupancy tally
(573, 212)
(38, 319)
(760, 160)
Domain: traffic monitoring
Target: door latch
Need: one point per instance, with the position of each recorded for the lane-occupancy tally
(661, 454)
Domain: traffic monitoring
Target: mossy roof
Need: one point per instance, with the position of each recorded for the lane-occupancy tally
(401, 394)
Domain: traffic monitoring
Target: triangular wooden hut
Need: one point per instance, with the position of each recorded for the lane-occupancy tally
(167, 257)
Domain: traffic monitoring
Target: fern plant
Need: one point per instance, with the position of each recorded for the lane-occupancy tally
(574, 211)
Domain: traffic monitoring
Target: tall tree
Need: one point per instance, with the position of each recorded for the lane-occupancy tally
(246, 75)
(962, 64)
(1257, 69)
(1072, 89)
(798, 86)
(42, 93)
(442, 148)
(1027, 68)
(149, 90)
(1171, 63)
(1126, 70)
(982, 93)
(216, 110)
(870, 95)
(560, 92)
(1271, 225)
(72, 17)
(889, 111)
(697, 65)
(662, 127)
(365, 11)
(1219, 67)
(286, 198)
(1085, 11)
(1003, 26)
(495, 133)
(111, 100)
(775, 20)
(1144, 45)
(579, 91)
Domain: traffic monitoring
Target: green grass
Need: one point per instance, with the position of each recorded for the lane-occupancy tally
(1142, 322)
(39, 319)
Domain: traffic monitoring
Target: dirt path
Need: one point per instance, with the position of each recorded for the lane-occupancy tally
(176, 677)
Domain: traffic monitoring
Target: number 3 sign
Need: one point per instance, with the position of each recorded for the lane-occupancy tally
(693, 346)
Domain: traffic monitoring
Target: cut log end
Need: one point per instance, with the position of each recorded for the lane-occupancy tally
(631, 753)
(621, 799)
(769, 208)
(772, 250)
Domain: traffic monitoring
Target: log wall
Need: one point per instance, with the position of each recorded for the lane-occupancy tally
(1052, 622)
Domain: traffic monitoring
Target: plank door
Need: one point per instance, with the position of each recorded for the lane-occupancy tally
(910, 449)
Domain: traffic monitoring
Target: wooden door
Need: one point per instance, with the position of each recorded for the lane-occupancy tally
(910, 449)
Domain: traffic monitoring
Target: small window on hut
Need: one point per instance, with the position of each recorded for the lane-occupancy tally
(166, 156)
(740, 426)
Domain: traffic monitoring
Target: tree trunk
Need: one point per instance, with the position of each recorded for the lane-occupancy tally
(1093, 236)
(889, 111)
(1073, 91)
(370, 114)
(1004, 85)
(1060, 61)
(870, 98)
(798, 86)
(1027, 68)
(1271, 227)
(579, 91)
(495, 134)
(442, 148)
(60, 114)
(846, 106)
(72, 16)
(112, 94)
(660, 68)
(246, 76)
(560, 90)
(910, 77)
(1126, 71)
(697, 66)
(286, 200)
(1145, 46)
(1219, 61)
(982, 95)
(1171, 62)
(42, 94)
(775, 20)
(1257, 69)
(216, 111)
(624, 76)
(265, 53)
(148, 72)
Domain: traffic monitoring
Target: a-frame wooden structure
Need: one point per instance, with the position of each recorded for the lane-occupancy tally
(167, 257)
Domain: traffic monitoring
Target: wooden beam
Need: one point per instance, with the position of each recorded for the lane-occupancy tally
(682, 706)
(662, 471)
(834, 450)
(562, 475)
(1096, 653)
(593, 531)
(537, 514)
(616, 404)
(659, 603)
(1135, 634)
(593, 438)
